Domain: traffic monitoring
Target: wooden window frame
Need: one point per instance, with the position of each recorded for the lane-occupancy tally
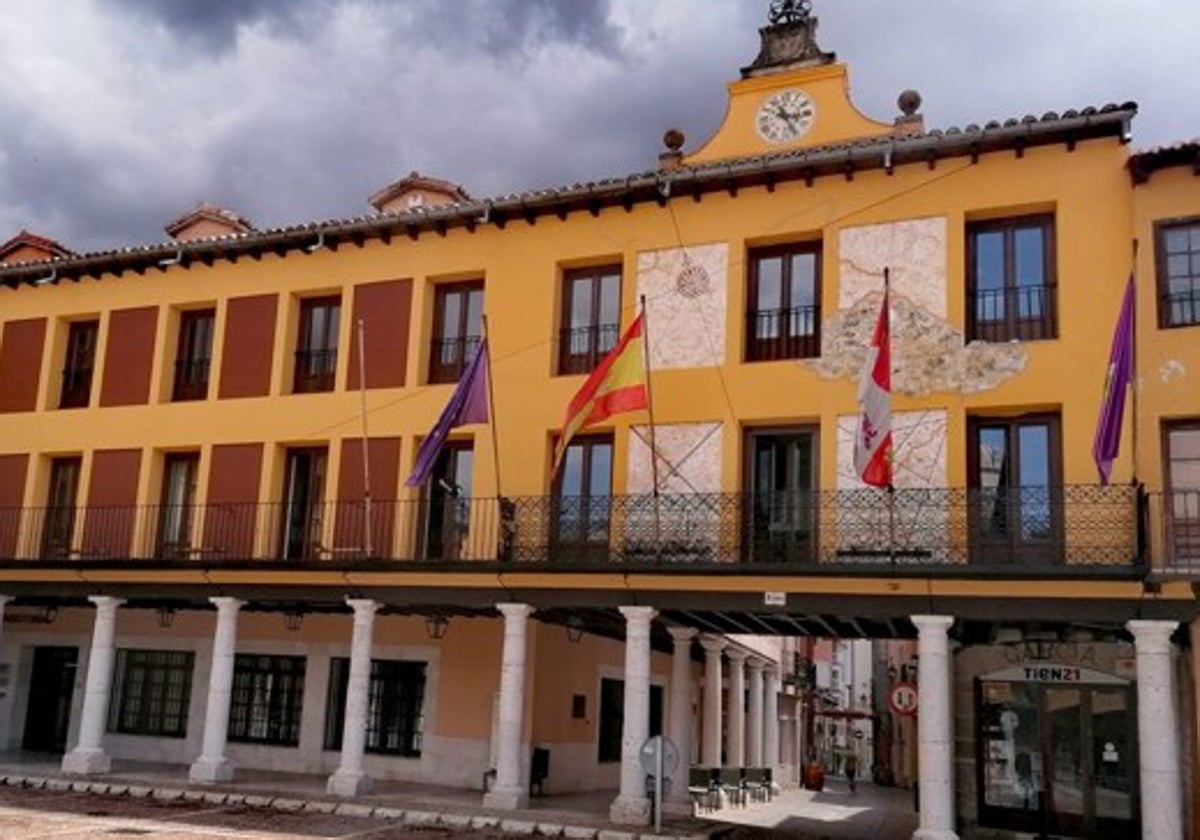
(598, 337)
(1162, 282)
(1174, 534)
(79, 364)
(166, 510)
(385, 692)
(279, 700)
(315, 368)
(581, 548)
(447, 372)
(1011, 327)
(193, 362)
(785, 345)
(162, 716)
(58, 524)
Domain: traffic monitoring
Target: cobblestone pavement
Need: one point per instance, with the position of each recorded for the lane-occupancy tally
(41, 815)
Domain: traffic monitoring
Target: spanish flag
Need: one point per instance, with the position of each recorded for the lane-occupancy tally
(617, 385)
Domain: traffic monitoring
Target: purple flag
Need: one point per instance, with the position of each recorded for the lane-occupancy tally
(468, 404)
(1120, 374)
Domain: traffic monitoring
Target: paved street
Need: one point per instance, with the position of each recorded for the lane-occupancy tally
(870, 813)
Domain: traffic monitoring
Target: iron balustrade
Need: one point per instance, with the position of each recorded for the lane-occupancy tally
(1021, 313)
(315, 370)
(1071, 527)
(582, 348)
(449, 357)
(783, 333)
(191, 379)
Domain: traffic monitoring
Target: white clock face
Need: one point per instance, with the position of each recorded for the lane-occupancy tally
(785, 116)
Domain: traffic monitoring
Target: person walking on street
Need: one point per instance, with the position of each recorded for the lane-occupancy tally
(850, 766)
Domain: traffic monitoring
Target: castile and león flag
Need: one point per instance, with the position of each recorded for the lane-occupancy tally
(873, 437)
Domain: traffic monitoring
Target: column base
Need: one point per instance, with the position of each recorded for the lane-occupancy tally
(933, 834)
(86, 762)
(348, 784)
(630, 810)
(209, 771)
(679, 807)
(506, 799)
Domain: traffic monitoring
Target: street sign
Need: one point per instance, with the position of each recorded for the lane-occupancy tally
(775, 599)
(902, 699)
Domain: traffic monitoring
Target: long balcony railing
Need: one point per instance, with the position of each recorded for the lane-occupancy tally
(1067, 528)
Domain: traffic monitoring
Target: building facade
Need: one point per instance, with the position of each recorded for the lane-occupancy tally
(213, 559)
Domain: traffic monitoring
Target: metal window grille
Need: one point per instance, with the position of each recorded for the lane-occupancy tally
(151, 692)
(395, 722)
(267, 701)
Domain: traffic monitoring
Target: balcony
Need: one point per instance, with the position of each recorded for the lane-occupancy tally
(1174, 545)
(1074, 530)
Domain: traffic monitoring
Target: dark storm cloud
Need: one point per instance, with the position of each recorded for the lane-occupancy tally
(509, 27)
(213, 24)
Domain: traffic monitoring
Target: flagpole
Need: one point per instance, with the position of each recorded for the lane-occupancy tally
(891, 486)
(1133, 373)
(650, 412)
(492, 411)
(368, 546)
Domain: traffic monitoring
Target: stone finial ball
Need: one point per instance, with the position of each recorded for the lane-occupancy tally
(909, 101)
(673, 139)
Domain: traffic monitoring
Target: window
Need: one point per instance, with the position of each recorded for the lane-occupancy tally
(1177, 254)
(151, 691)
(1182, 451)
(78, 364)
(782, 504)
(583, 499)
(268, 696)
(193, 355)
(1015, 499)
(612, 717)
(317, 345)
(303, 504)
(446, 503)
(58, 525)
(457, 330)
(591, 318)
(783, 317)
(178, 504)
(1011, 291)
(394, 717)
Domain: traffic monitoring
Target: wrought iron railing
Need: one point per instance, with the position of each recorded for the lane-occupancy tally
(315, 370)
(581, 349)
(793, 333)
(1174, 538)
(191, 379)
(449, 357)
(1072, 527)
(1013, 313)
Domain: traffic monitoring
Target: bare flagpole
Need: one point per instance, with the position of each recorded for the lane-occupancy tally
(650, 412)
(368, 541)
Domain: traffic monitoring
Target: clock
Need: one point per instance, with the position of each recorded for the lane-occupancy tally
(785, 116)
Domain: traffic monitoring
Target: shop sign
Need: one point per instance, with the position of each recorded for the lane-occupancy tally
(1054, 672)
(902, 699)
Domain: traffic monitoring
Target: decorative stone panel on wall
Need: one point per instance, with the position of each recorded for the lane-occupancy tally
(686, 299)
(919, 444)
(689, 458)
(914, 250)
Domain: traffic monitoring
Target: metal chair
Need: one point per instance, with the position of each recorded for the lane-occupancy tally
(703, 789)
(729, 779)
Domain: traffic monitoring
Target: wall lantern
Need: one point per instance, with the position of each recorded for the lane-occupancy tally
(575, 628)
(49, 614)
(436, 625)
(292, 619)
(166, 616)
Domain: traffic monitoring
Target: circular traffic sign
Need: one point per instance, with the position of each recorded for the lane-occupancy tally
(902, 699)
(649, 756)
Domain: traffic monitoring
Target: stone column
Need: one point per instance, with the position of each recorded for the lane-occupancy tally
(771, 716)
(1158, 731)
(89, 757)
(510, 791)
(680, 731)
(350, 779)
(213, 765)
(735, 732)
(754, 747)
(4, 600)
(631, 807)
(936, 760)
(710, 746)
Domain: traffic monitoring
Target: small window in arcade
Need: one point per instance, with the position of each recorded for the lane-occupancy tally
(268, 697)
(396, 696)
(151, 692)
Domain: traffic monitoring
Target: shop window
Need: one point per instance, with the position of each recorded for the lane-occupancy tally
(612, 717)
(457, 330)
(193, 355)
(591, 318)
(1011, 290)
(396, 696)
(1177, 258)
(317, 345)
(783, 316)
(58, 524)
(151, 692)
(79, 363)
(268, 697)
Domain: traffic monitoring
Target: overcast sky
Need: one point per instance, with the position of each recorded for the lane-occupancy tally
(116, 116)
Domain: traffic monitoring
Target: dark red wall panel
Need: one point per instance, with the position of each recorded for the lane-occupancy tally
(350, 526)
(384, 309)
(129, 358)
(111, 503)
(21, 364)
(249, 343)
(12, 494)
(233, 508)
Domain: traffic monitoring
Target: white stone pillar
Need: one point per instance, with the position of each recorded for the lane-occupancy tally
(710, 746)
(680, 731)
(631, 807)
(213, 765)
(771, 716)
(350, 779)
(934, 700)
(754, 727)
(1158, 731)
(510, 791)
(89, 757)
(735, 732)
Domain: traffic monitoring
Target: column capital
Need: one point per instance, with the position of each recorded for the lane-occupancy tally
(772, 669)
(932, 623)
(224, 603)
(713, 644)
(363, 606)
(515, 611)
(754, 663)
(4, 600)
(1152, 635)
(638, 615)
(682, 635)
(738, 655)
(106, 602)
